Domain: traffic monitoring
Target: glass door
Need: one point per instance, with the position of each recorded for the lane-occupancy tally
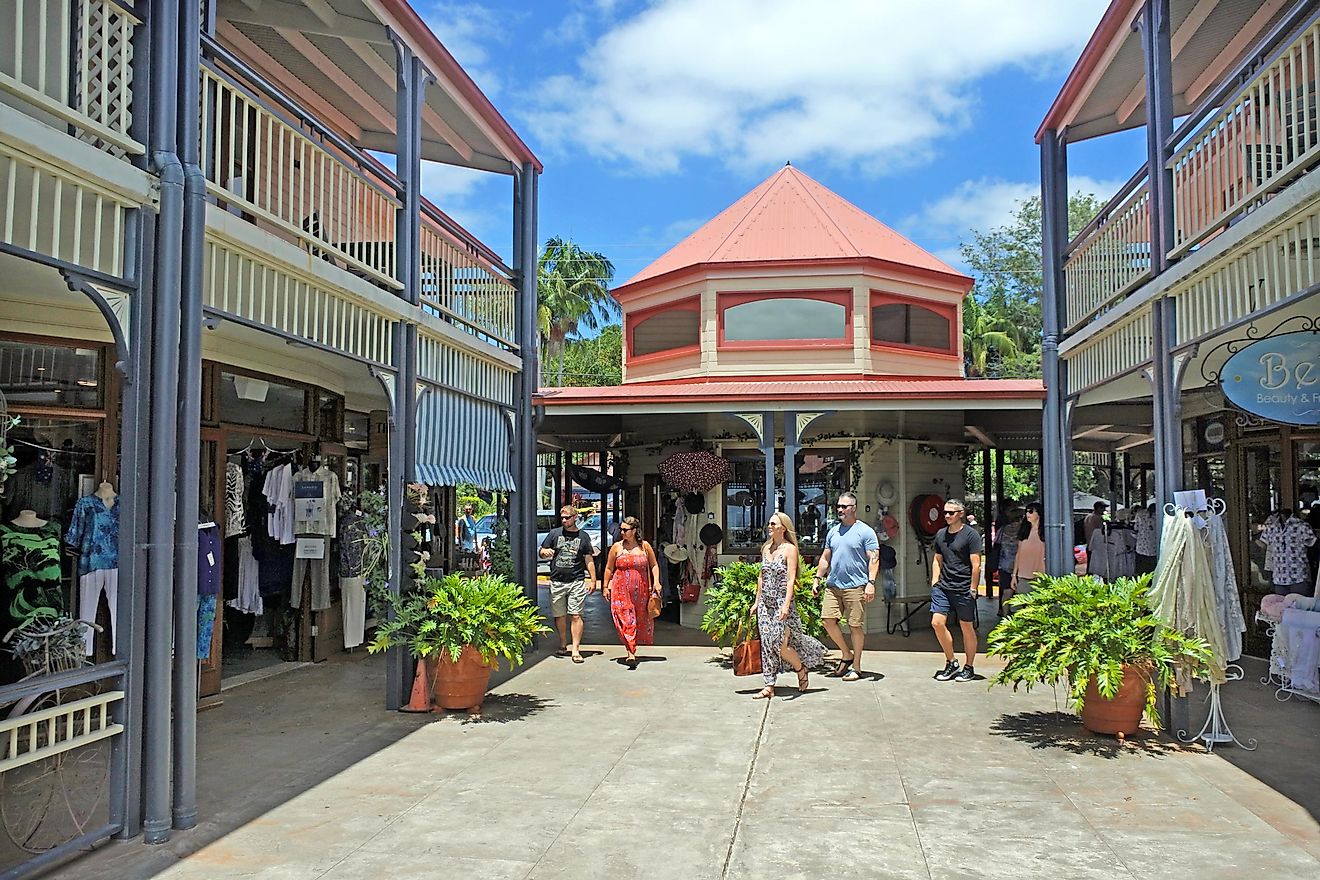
(212, 504)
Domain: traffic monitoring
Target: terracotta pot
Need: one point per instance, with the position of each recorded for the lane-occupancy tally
(461, 684)
(1122, 714)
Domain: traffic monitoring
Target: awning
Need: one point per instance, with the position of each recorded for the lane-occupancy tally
(462, 440)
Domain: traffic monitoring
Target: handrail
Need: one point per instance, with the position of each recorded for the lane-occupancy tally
(453, 228)
(1238, 81)
(1106, 211)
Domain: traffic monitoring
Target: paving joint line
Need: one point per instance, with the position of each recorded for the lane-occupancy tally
(747, 784)
(907, 795)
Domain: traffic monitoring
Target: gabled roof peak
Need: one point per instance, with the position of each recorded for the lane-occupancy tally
(791, 218)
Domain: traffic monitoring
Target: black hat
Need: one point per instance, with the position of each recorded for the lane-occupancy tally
(711, 534)
(695, 502)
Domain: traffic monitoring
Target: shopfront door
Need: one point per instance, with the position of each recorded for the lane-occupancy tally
(212, 471)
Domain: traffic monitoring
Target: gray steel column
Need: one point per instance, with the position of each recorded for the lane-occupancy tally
(187, 473)
(1056, 467)
(396, 661)
(518, 532)
(1155, 48)
(792, 443)
(134, 445)
(163, 144)
(768, 450)
(522, 514)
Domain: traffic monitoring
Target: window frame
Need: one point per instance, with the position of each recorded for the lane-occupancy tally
(945, 310)
(635, 319)
(729, 299)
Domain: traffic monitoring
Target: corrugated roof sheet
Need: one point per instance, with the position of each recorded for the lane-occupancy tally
(790, 217)
(795, 388)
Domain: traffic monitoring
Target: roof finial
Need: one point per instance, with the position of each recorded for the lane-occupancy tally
(788, 164)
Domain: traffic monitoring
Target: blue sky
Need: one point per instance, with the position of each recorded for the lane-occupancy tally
(651, 117)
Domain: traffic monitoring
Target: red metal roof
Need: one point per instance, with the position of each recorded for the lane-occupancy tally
(791, 218)
(795, 388)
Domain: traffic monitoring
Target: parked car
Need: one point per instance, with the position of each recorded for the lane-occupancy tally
(485, 528)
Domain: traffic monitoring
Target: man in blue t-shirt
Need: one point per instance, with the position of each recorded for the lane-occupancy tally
(851, 559)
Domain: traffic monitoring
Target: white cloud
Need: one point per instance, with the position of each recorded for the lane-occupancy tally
(467, 30)
(756, 82)
(479, 201)
(986, 203)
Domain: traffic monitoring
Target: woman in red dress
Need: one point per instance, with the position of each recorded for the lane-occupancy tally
(632, 577)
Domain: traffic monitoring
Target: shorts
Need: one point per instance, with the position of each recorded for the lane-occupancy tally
(960, 603)
(566, 597)
(837, 604)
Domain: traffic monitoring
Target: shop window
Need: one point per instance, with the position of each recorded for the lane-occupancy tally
(896, 323)
(262, 402)
(45, 374)
(329, 416)
(821, 476)
(744, 503)
(55, 465)
(357, 429)
(669, 330)
(784, 318)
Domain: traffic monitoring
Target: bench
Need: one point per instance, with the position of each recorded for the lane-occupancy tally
(891, 627)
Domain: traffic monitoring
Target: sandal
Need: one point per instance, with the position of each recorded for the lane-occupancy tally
(803, 678)
(577, 658)
(764, 694)
(840, 667)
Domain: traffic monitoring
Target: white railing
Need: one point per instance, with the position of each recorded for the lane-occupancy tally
(281, 175)
(1259, 139)
(1117, 350)
(61, 728)
(1111, 256)
(51, 210)
(459, 284)
(73, 61)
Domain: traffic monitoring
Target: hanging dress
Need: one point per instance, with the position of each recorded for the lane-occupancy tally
(774, 587)
(630, 596)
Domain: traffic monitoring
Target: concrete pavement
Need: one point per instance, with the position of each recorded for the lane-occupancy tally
(672, 771)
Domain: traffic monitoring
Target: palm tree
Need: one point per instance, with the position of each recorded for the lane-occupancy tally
(572, 293)
(987, 330)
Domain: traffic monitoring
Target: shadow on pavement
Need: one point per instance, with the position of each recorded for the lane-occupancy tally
(1064, 731)
(503, 708)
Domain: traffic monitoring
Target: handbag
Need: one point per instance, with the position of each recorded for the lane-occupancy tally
(689, 592)
(653, 606)
(747, 657)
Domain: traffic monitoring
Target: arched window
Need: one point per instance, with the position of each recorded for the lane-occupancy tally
(669, 329)
(771, 318)
(896, 322)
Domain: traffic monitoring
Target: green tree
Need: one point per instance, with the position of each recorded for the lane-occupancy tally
(573, 293)
(594, 361)
(1006, 264)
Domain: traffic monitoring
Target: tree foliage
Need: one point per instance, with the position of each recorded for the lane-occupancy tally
(1001, 314)
(572, 293)
(591, 362)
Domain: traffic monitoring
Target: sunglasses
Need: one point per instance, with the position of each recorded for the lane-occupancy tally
(627, 528)
(844, 506)
(951, 512)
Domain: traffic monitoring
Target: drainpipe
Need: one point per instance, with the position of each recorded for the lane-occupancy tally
(166, 166)
(184, 746)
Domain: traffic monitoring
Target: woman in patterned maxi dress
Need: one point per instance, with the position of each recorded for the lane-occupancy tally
(632, 576)
(783, 643)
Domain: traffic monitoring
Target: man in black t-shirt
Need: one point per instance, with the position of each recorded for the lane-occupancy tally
(572, 577)
(956, 571)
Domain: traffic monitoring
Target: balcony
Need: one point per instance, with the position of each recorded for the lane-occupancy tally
(1241, 149)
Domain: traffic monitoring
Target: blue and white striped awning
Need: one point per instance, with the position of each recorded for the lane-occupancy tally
(462, 440)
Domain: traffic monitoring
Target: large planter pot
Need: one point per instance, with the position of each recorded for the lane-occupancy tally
(1122, 714)
(458, 684)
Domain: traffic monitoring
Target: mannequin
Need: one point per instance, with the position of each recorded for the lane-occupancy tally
(28, 519)
(106, 492)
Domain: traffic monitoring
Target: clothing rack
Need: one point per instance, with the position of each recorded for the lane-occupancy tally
(1282, 681)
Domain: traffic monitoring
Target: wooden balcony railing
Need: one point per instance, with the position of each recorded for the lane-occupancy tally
(461, 284)
(1255, 144)
(1111, 256)
(72, 60)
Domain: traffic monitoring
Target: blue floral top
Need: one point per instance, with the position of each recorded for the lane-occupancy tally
(94, 533)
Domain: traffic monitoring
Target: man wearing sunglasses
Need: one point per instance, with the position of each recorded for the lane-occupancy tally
(956, 568)
(572, 577)
(851, 559)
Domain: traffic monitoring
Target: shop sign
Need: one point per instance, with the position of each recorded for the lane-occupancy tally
(1277, 378)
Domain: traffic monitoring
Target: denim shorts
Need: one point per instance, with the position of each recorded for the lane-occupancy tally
(960, 603)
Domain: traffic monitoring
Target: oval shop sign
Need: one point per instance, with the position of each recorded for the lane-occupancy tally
(1277, 378)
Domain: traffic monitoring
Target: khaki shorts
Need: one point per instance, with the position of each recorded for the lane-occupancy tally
(566, 597)
(836, 604)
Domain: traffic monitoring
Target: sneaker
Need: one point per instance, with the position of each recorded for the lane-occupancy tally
(967, 674)
(948, 672)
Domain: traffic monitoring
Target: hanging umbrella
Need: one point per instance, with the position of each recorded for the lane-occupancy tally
(594, 480)
(698, 471)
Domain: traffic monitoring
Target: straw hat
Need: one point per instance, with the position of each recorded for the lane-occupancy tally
(676, 553)
(886, 493)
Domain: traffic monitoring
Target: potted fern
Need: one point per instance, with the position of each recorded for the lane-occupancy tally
(730, 602)
(460, 627)
(1102, 641)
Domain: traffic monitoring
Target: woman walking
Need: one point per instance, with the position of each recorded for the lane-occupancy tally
(1030, 560)
(783, 643)
(632, 577)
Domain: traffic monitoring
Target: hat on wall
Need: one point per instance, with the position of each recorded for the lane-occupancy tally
(676, 553)
(886, 493)
(694, 502)
(890, 525)
(711, 534)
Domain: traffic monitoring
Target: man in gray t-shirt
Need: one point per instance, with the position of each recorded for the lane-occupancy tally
(851, 559)
(955, 575)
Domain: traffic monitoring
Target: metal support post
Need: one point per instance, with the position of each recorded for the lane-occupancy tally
(768, 449)
(1155, 47)
(1055, 465)
(189, 419)
(395, 659)
(522, 519)
(792, 443)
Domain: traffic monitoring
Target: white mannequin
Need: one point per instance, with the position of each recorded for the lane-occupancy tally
(28, 519)
(106, 492)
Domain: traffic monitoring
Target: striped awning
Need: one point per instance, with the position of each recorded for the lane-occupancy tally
(462, 440)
